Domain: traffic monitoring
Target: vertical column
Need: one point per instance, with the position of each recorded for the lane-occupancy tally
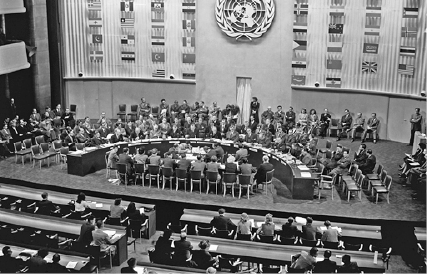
(37, 14)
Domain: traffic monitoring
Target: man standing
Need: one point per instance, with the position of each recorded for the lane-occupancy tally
(346, 121)
(290, 118)
(268, 114)
(357, 126)
(279, 115)
(144, 108)
(415, 121)
(325, 119)
(371, 126)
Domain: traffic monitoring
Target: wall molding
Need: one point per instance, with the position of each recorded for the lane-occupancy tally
(132, 79)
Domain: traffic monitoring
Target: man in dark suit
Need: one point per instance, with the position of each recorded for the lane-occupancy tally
(371, 127)
(55, 266)
(253, 124)
(96, 139)
(415, 121)
(184, 163)
(263, 169)
(326, 266)
(241, 153)
(232, 134)
(290, 230)
(38, 264)
(45, 206)
(117, 137)
(348, 266)
(360, 155)
(68, 118)
(308, 230)
(346, 121)
(86, 231)
(368, 166)
(250, 136)
(268, 126)
(9, 264)
(124, 158)
(182, 250)
(168, 161)
(130, 268)
(221, 222)
(219, 151)
(290, 118)
(325, 119)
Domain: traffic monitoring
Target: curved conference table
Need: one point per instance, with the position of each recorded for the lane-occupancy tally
(298, 179)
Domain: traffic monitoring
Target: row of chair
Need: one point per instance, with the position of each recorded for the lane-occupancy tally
(155, 111)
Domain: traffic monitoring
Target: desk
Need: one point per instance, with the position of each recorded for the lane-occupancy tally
(280, 254)
(301, 187)
(81, 261)
(195, 216)
(63, 227)
(99, 206)
(419, 137)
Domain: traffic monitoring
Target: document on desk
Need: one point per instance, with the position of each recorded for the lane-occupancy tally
(110, 233)
(301, 220)
(71, 265)
(98, 205)
(306, 174)
(142, 210)
(115, 237)
(213, 247)
(303, 168)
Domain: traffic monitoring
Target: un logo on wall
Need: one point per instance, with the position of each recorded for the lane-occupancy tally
(244, 18)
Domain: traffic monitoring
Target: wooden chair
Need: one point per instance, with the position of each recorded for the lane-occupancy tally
(375, 176)
(181, 176)
(133, 112)
(122, 171)
(109, 169)
(139, 172)
(47, 151)
(244, 182)
(212, 178)
(357, 187)
(155, 111)
(73, 110)
(122, 111)
(229, 180)
(57, 145)
(154, 173)
(385, 189)
(328, 183)
(137, 226)
(40, 139)
(20, 150)
(328, 147)
(379, 182)
(167, 175)
(63, 155)
(196, 176)
(268, 181)
(334, 126)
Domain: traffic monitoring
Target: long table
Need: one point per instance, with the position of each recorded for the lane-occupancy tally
(280, 254)
(97, 204)
(65, 258)
(69, 228)
(300, 183)
(204, 217)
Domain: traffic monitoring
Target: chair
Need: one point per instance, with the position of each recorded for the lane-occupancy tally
(122, 171)
(212, 178)
(229, 263)
(181, 176)
(133, 112)
(379, 182)
(330, 245)
(155, 111)
(78, 247)
(225, 234)
(328, 183)
(139, 172)
(80, 146)
(116, 221)
(177, 228)
(328, 147)
(310, 243)
(21, 151)
(268, 181)
(167, 174)
(40, 139)
(244, 182)
(243, 237)
(73, 110)
(196, 176)
(386, 252)
(108, 174)
(354, 247)
(333, 126)
(229, 180)
(357, 187)
(37, 155)
(203, 231)
(57, 145)
(63, 155)
(375, 176)
(287, 241)
(122, 111)
(95, 252)
(265, 239)
(328, 154)
(154, 172)
(385, 189)
(48, 151)
(137, 226)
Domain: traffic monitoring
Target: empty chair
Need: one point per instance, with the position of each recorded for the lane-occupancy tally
(328, 183)
(48, 151)
(196, 176)
(181, 176)
(122, 111)
(384, 189)
(122, 170)
(357, 187)
(268, 181)
(375, 176)
(40, 139)
(328, 147)
(245, 182)
(229, 180)
(385, 251)
(167, 175)
(37, 155)
(73, 110)
(20, 150)
(133, 112)
(139, 172)
(334, 126)
(138, 228)
(177, 228)
(57, 145)
(379, 182)
(204, 231)
(154, 173)
(212, 178)
(155, 110)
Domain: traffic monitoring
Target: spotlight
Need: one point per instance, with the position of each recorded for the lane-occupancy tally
(80, 74)
(171, 76)
(423, 93)
(316, 84)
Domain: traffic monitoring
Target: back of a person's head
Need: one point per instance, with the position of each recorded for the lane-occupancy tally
(131, 262)
(214, 159)
(313, 251)
(265, 159)
(327, 223)
(327, 254)
(131, 207)
(211, 270)
(99, 223)
(309, 220)
(268, 218)
(346, 259)
(56, 258)
(141, 150)
(125, 150)
(199, 157)
(290, 220)
(81, 197)
(90, 218)
(117, 201)
(183, 235)
(5, 250)
(167, 233)
(203, 244)
(221, 211)
(42, 253)
(369, 151)
(244, 161)
(45, 195)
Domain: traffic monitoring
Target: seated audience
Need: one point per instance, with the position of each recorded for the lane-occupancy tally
(86, 230)
(81, 205)
(116, 210)
(163, 250)
(154, 159)
(96, 140)
(9, 264)
(241, 153)
(141, 157)
(124, 158)
(330, 234)
(342, 165)
(345, 124)
(371, 127)
(305, 260)
(267, 228)
(134, 214)
(360, 155)
(117, 136)
(131, 266)
(202, 258)
(290, 230)
(232, 134)
(45, 206)
(244, 226)
(260, 175)
(55, 266)
(184, 163)
(326, 266)
(222, 222)
(182, 251)
(231, 166)
(37, 263)
(100, 238)
(168, 161)
(358, 126)
(348, 266)
(369, 165)
(309, 232)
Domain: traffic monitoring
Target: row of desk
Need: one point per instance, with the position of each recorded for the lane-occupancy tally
(204, 217)
(64, 227)
(300, 183)
(280, 254)
(100, 206)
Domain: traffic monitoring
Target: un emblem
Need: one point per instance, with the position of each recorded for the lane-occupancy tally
(244, 18)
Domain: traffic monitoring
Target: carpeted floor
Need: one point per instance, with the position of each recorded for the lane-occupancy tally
(390, 154)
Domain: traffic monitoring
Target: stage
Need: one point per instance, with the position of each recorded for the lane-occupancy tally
(401, 207)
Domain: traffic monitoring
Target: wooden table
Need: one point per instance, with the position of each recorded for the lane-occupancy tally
(99, 206)
(63, 227)
(301, 187)
(65, 258)
(203, 217)
(280, 254)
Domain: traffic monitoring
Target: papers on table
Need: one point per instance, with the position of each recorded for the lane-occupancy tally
(142, 210)
(319, 258)
(298, 162)
(26, 252)
(306, 174)
(115, 237)
(303, 168)
(323, 228)
(98, 205)
(110, 233)
(301, 220)
(140, 269)
(213, 247)
(414, 164)
(71, 265)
